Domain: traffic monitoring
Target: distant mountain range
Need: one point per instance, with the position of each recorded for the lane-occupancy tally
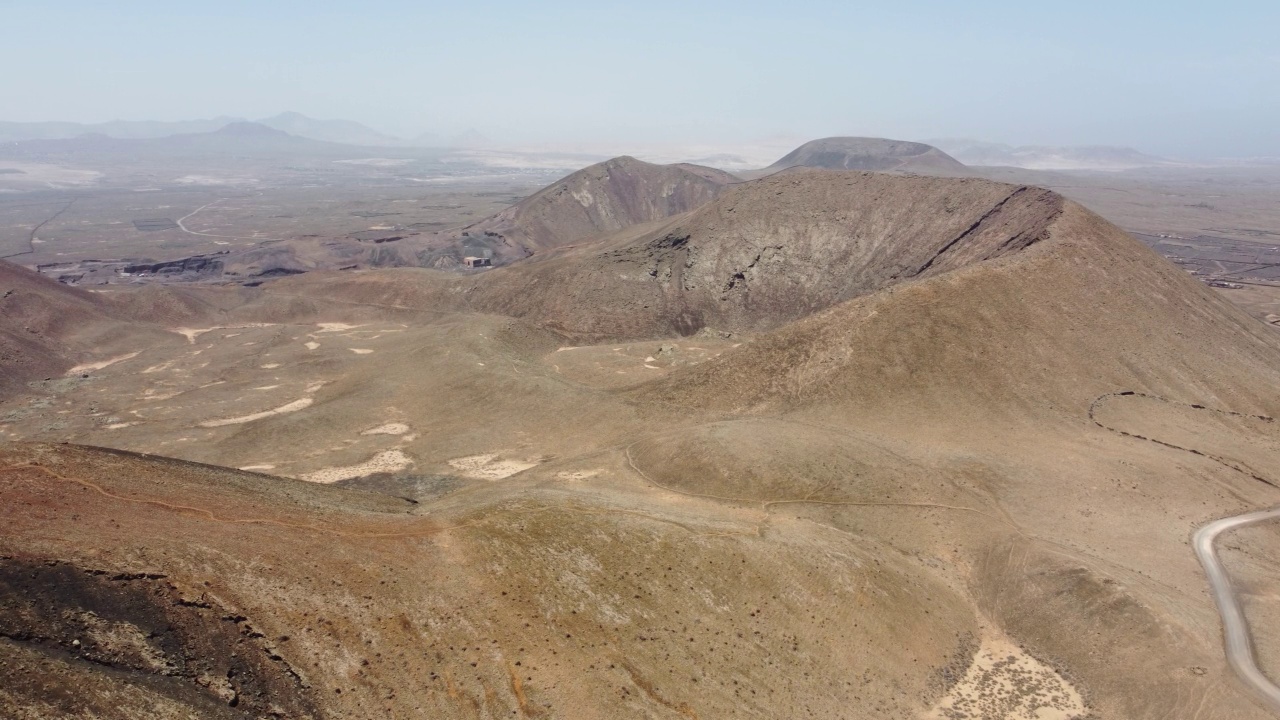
(245, 139)
(1045, 157)
(349, 132)
(122, 129)
(345, 132)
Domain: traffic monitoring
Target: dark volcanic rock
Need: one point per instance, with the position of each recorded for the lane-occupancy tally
(199, 265)
(136, 629)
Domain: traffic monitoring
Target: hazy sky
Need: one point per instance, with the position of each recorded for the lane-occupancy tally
(1173, 77)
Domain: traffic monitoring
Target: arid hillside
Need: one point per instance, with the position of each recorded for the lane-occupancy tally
(769, 252)
(874, 154)
(249, 596)
(46, 327)
(762, 254)
(1085, 310)
(594, 202)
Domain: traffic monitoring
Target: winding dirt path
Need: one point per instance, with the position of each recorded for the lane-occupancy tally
(32, 237)
(1236, 638)
(181, 223)
(1235, 629)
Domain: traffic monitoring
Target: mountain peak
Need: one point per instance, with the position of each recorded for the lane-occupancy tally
(250, 129)
(872, 154)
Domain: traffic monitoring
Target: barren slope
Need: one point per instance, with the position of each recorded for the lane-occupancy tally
(585, 206)
(47, 327)
(596, 201)
(1084, 311)
(228, 594)
(875, 154)
(770, 251)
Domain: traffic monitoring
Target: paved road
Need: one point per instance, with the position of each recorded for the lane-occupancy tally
(1239, 645)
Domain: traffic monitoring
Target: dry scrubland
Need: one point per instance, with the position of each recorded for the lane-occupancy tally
(829, 445)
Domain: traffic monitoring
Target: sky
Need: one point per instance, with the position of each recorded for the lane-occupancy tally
(1181, 79)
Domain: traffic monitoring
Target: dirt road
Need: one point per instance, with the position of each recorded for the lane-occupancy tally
(1235, 630)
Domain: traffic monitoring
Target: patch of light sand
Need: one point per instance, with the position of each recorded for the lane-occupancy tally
(488, 467)
(267, 387)
(376, 333)
(117, 426)
(1005, 683)
(294, 406)
(192, 333)
(101, 363)
(394, 428)
(388, 461)
(360, 351)
(311, 345)
(255, 468)
(315, 386)
(334, 327)
(578, 475)
(270, 366)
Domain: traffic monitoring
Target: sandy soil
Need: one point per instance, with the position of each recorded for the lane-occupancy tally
(192, 333)
(488, 467)
(393, 428)
(1004, 683)
(101, 363)
(46, 174)
(388, 461)
(294, 406)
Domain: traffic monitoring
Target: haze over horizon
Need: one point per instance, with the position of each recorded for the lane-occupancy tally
(1175, 79)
